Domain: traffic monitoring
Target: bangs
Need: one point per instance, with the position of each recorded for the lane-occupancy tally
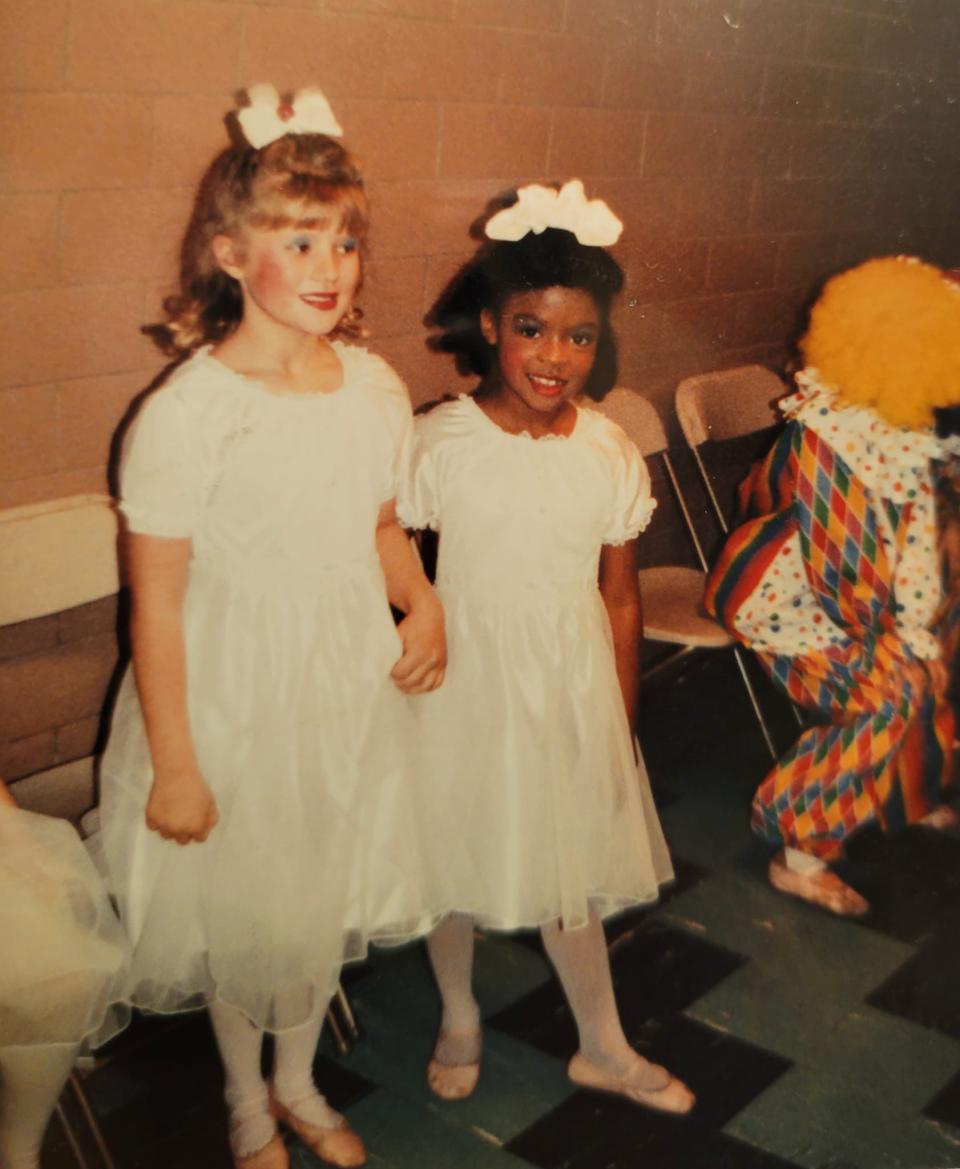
(308, 201)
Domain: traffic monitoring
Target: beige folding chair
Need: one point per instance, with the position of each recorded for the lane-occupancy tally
(672, 595)
(55, 556)
(727, 404)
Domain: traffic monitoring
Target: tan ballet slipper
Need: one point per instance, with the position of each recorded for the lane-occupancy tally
(941, 819)
(821, 887)
(674, 1097)
(452, 1081)
(273, 1155)
(339, 1146)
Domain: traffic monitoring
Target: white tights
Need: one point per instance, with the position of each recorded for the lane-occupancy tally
(450, 947)
(248, 1097)
(580, 959)
(31, 1080)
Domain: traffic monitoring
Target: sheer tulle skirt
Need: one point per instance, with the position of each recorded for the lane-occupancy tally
(307, 747)
(537, 806)
(63, 971)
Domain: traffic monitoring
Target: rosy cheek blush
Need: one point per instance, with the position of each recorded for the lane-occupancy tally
(269, 275)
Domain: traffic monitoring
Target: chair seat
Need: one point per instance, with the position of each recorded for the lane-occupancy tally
(673, 610)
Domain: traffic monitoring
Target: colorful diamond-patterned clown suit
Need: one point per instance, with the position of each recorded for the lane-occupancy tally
(835, 581)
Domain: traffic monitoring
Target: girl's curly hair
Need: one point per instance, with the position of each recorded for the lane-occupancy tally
(289, 181)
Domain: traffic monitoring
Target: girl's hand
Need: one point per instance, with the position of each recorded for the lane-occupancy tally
(181, 807)
(423, 662)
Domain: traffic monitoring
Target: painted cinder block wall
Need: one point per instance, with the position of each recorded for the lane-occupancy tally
(751, 146)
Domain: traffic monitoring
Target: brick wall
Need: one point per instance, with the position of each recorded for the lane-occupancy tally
(751, 146)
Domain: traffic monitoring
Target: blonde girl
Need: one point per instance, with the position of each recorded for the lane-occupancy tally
(257, 817)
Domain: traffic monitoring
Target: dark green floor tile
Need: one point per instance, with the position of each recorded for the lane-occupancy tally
(400, 982)
(504, 972)
(945, 1105)
(911, 880)
(711, 829)
(901, 1062)
(816, 1118)
(806, 971)
(402, 1135)
(595, 1129)
(517, 1085)
(924, 989)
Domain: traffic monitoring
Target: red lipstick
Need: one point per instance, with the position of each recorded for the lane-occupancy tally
(323, 301)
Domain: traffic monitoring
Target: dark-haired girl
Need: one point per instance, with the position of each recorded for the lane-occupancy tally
(538, 813)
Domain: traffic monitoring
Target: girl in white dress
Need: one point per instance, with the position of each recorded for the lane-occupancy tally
(538, 813)
(256, 796)
(62, 972)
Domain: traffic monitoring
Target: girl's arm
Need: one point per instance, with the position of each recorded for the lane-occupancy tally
(6, 796)
(424, 658)
(180, 806)
(620, 590)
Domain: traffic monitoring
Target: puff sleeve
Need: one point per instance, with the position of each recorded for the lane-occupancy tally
(417, 499)
(161, 471)
(633, 503)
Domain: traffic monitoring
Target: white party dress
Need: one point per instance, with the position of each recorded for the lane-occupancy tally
(537, 808)
(300, 733)
(64, 955)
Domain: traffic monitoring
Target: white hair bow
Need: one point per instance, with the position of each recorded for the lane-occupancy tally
(267, 118)
(538, 207)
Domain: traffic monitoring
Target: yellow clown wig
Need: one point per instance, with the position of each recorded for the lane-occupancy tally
(887, 334)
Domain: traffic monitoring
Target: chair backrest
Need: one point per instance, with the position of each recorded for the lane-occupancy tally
(729, 403)
(638, 417)
(56, 555)
(724, 405)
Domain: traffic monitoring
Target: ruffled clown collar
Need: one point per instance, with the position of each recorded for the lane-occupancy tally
(891, 461)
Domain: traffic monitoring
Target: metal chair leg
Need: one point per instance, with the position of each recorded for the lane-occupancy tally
(669, 662)
(72, 1141)
(339, 1039)
(92, 1124)
(82, 1104)
(349, 1019)
(742, 665)
(343, 1028)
